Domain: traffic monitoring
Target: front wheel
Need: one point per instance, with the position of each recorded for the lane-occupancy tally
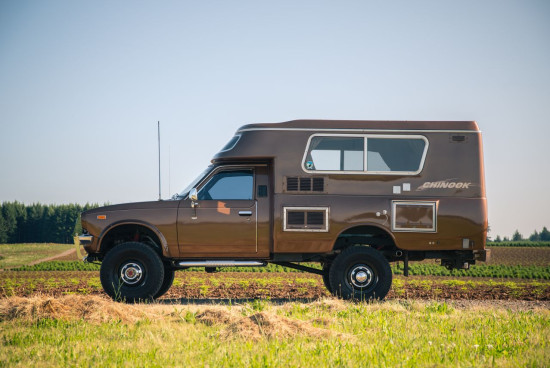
(360, 273)
(167, 282)
(132, 272)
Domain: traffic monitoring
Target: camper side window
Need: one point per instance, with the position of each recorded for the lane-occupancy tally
(401, 155)
(335, 154)
(384, 154)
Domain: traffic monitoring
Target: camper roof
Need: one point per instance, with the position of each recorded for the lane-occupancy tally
(319, 125)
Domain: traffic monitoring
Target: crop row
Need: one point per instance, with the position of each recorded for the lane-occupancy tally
(495, 271)
(199, 285)
(421, 269)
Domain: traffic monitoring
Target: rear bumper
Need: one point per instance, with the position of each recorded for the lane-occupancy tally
(483, 255)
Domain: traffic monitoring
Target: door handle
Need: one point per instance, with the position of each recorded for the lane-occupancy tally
(245, 213)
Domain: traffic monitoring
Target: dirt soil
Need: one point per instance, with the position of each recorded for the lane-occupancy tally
(198, 286)
(521, 256)
(69, 254)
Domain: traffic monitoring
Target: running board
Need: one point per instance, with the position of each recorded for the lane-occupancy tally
(222, 263)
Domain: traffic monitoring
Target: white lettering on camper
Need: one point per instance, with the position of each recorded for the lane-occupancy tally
(444, 184)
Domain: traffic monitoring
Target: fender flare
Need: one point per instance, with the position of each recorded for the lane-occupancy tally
(370, 224)
(114, 225)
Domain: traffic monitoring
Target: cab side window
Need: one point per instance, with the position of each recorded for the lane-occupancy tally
(237, 184)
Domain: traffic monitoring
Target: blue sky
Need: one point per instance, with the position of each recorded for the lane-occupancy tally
(82, 85)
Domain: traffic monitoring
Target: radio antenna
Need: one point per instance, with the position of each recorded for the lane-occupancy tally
(158, 131)
(169, 169)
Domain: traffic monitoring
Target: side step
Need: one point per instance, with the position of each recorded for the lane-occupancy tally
(222, 263)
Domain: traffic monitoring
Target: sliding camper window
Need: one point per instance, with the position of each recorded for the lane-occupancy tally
(369, 154)
(335, 154)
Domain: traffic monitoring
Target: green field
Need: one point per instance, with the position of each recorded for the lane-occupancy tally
(16, 255)
(494, 271)
(93, 331)
(54, 314)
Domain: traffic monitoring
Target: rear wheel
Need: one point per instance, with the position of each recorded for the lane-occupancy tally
(326, 280)
(132, 272)
(360, 273)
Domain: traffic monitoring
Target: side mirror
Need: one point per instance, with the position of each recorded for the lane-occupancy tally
(193, 195)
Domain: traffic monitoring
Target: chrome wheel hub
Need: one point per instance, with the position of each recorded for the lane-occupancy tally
(361, 276)
(131, 273)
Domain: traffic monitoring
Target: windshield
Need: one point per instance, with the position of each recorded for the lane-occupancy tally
(194, 183)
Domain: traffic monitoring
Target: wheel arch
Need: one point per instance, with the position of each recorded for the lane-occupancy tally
(370, 234)
(123, 231)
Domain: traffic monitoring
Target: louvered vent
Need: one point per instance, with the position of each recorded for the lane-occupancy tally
(306, 219)
(315, 218)
(305, 184)
(292, 184)
(318, 185)
(296, 218)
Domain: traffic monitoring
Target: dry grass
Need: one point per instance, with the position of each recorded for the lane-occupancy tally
(271, 325)
(94, 309)
(258, 325)
(77, 330)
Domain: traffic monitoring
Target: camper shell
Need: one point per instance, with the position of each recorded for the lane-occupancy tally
(351, 195)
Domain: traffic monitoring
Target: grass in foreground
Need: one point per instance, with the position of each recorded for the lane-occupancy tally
(17, 255)
(86, 331)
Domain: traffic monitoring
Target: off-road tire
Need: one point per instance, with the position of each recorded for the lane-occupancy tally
(132, 272)
(326, 278)
(360, 273)
(167, 282)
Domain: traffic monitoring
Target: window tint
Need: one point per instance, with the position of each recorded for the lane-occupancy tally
(335, 154)
(228, 185)
(384, 154)
(388, 154)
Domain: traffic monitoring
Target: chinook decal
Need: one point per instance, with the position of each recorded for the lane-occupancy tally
(444, 184)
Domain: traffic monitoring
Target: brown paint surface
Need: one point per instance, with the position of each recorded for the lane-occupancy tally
(275, 152)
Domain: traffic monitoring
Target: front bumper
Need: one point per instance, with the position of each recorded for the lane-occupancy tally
(85, 239)
(82, 240)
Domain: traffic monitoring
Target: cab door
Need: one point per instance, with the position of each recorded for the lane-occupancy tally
(222, 222)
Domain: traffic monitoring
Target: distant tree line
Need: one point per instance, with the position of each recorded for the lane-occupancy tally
(544, 235)
(40, 223)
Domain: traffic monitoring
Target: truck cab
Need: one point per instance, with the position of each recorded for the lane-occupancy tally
(352, 196)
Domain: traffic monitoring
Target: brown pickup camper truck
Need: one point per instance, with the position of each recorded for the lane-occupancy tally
(350, 195)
